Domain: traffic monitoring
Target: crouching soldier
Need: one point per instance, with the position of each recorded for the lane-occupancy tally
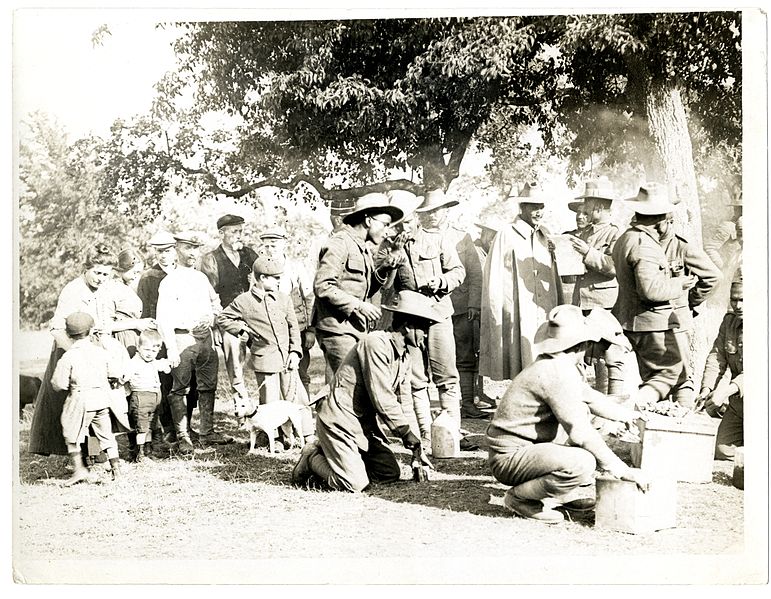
(546, 394)
(369, 384)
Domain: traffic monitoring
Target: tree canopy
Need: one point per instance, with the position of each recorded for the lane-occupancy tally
(341, 106)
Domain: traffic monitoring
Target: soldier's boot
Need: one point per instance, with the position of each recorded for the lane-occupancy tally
(79, 470)
(421, 402)
(468, 408)
(132, 441)
(206, 433)
(178, 407)
(479, 392)
(320, 468)
(526, 500)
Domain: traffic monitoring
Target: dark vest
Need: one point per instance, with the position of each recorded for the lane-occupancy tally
(232, 281)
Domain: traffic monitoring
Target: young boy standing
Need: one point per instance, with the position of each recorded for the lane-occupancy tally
(145, 386)
(84, 370)
(265, 318)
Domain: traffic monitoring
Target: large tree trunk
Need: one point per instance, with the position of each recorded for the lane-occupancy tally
(669, 128)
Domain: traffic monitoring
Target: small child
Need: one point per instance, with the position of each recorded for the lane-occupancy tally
(84, 370)
(265, 318)
(145, 386)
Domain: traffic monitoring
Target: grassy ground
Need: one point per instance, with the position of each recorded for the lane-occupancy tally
(223, 504)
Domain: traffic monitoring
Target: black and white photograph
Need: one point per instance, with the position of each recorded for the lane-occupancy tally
(379, 296)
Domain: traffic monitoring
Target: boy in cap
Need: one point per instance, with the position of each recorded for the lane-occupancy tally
(187, 305)
(547, 394)
(296, 282)
(368, 388)
(228, 267)
(264, 317)
(646, 288)
(84, 371)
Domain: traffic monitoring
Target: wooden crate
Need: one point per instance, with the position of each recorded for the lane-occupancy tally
(681, 448)
(623, 507)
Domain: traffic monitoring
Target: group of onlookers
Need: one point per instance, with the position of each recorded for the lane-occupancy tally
(451, 312)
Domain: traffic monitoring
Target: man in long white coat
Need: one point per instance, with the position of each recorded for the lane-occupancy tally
(520, 287)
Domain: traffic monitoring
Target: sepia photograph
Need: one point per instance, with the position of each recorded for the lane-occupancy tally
(357, 296)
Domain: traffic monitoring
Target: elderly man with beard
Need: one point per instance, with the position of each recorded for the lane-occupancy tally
(520, 287)
(228, 268)
(346, 277)
(351, 449)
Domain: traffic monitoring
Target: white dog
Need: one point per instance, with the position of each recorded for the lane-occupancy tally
(269, 418)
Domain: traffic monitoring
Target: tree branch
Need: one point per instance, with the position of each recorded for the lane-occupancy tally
(328, 195)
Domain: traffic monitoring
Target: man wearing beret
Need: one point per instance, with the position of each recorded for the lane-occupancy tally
(347, 278)
(228, 267)
(368, 389)
(187, 306)
(646, 290)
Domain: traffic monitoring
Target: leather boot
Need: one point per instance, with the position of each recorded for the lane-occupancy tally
(468, 407)
(421, 403)
(115, 468)
(132, 441)
(206, 434)
(79, 470)
(178, 407)
(302, 470)
(320, 467)
(526, 500)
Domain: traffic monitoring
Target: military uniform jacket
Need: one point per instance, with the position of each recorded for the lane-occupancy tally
(368, 386)
(645, 285)
(469, 293)
(345, 276)
(431, 253)
(727, 354)
(597, 288)
(689, 259)
(271, 320)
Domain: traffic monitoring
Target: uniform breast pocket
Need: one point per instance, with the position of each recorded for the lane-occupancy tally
(355, 264)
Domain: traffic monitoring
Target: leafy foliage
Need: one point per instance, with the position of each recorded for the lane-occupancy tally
(60, 214)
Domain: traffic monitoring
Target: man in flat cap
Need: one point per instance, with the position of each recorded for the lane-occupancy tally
(347, 278)
(228, 267)
(646, 290)
(374, 376)
(187, 306)
(296, 282)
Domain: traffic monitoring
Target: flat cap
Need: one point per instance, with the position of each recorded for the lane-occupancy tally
(188, 237)
(273, 233)
(229, 220)
(268, 264)
(78, 323)
(161, 240)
